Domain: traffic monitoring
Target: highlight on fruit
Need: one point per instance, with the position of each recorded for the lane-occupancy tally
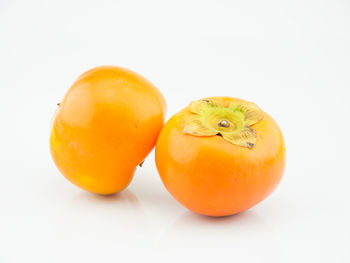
(106, 125)
(220, 155)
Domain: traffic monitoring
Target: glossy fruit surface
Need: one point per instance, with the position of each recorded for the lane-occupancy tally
(220, 156)
(106, 125)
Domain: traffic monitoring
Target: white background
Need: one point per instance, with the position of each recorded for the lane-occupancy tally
(290, 57)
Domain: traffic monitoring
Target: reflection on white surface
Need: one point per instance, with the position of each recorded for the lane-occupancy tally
(104, 217)
(94, 227)
(220, 238)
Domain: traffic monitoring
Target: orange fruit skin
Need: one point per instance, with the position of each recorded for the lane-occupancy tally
(213, 177)
(107, 123)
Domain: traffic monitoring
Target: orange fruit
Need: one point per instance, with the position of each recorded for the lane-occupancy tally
(106, 125)
(220, 156)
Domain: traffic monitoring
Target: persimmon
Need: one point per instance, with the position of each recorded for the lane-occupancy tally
(220, 156)
(106, 125)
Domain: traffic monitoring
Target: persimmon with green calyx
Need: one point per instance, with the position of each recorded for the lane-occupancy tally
(106, 125)
(220, 156)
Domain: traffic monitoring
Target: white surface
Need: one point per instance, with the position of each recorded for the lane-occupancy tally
(290, 57)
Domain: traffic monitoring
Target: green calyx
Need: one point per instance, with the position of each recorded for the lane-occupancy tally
(210, 117)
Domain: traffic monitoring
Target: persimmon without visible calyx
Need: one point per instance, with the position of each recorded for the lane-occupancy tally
(106, 125)
(220, 156)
